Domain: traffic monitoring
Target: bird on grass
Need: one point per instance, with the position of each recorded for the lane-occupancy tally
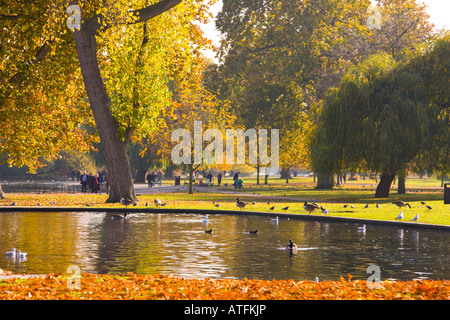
(377, 205)
(126, 202)
(416, 217)
(326, 211)
(400, 204)
(310, 207)
(272, 208)
(241, 204)
(422, 202)
(400, 216)
(13, 204)
(157, 202)
(366, 206)
(285, 208)
(429, 207)
(217, 205)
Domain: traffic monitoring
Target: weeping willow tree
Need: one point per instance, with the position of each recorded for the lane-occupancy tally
(385, 116)
(376, 120)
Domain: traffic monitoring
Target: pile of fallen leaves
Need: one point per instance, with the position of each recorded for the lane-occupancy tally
(132, 286)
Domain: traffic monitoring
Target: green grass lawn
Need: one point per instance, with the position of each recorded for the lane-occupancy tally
(280, 195)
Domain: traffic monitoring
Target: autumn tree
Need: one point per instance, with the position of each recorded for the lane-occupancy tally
(195, 110)
(127, 52)
(42, 110)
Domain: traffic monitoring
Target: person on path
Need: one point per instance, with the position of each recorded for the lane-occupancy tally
(236, 178)
(219, 178)
(84, 182)
(159, 176)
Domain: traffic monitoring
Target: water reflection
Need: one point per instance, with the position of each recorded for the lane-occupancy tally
(177, 244)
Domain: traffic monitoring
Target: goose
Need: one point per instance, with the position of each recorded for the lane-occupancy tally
(157, 202)
(240, 204)
(119, 216)
(11, 253)
(400, 204)
(208, 231)
(291, 247)
(400, 216)
(21, 254)
(253, 231)
(310, 207)
(126, 202)
(416, 217)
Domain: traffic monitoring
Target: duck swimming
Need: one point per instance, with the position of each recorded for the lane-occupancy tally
(291, 247)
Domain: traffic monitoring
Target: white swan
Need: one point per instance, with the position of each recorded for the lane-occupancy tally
(11, 253)
(21, 254)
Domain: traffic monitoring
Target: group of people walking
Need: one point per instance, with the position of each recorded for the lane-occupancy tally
(151, 178)
(91, 182)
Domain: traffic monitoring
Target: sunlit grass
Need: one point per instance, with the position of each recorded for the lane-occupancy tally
(278, 194)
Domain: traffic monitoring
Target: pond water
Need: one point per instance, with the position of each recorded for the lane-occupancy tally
(177, 244)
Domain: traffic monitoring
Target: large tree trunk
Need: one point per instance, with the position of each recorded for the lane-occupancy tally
(2, 194)
(114, 149)
(384, 186)
(401, 187)
(140, 176)
(324, 181)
